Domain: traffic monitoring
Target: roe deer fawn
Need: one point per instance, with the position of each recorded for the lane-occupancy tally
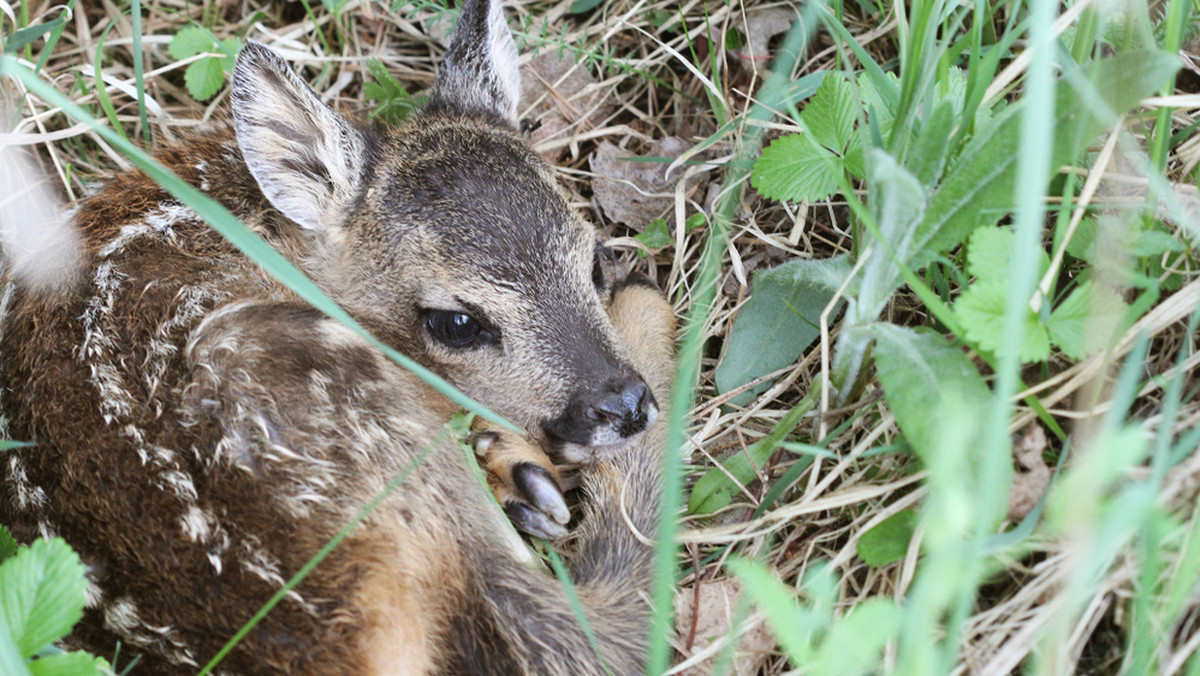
(198, 432)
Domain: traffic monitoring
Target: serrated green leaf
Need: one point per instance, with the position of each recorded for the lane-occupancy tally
(191, 41)
(981, 310)
(854, 160)
(879, 107)
(888, 541)
(230, 47)
(830, 115)
(41, 594)
(990, 253)
(204, 78)
(779, 321)
(796, 168)
(1086, 321)
(1155, 242)
(8, 544)
(70, 664)
(1083, 242)
(921, 373)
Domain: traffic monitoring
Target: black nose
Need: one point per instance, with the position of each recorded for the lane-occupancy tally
(624, 405)
(617, 410)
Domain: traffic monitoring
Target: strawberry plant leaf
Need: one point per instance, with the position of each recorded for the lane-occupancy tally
(69, 664)
(830, 115)
(796, 168)
(41, 594)
(191, 41)
(656, 235)
(1087, 320)
(981, 309)
(204, 78)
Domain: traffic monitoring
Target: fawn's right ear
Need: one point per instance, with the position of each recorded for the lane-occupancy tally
(306, 158)
(480, 73)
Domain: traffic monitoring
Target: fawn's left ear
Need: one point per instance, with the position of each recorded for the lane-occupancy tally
(480, 73)
(307, 159)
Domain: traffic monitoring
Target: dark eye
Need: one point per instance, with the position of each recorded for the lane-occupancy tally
(456, 329)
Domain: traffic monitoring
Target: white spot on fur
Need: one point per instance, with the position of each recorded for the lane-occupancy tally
(197, 524)
(121, 616)
(178, 483)
(93, 595)
(160, 221)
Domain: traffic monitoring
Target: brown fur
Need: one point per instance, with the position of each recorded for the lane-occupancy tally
(200, 433)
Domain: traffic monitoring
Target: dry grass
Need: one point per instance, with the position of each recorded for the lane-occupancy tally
(630, 80)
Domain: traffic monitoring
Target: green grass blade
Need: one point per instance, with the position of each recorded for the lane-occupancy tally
(772, 92)
(139, 80)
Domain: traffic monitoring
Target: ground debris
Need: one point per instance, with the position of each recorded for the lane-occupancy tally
(562, 96)
(635, 193)
(1029, 485)
(712, 616)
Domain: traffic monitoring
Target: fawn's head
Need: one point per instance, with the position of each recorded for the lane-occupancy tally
(452, 238)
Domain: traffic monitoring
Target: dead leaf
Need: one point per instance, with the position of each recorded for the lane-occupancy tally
(760, 27)
(718, 603)
(635, 193)
(567, 102)
(1030, 485)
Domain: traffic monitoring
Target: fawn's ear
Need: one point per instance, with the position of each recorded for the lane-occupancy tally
(307, 159)
(480, 73)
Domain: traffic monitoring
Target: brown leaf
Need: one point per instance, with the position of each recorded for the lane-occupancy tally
(635, 193)
(760, 27)
(566, 100)
(712, 616)
(1030, 485)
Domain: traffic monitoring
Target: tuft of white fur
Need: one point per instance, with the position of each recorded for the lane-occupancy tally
(40, 243)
